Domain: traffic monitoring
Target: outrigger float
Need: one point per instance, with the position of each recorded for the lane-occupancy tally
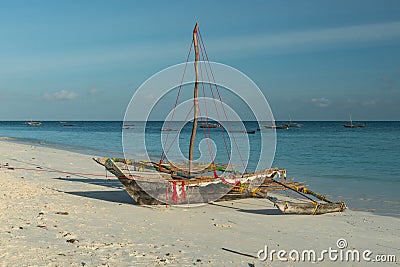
(163, 182)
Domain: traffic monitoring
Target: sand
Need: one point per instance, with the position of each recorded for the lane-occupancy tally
(55, 219)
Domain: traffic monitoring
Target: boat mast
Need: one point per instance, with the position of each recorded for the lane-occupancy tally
(195, 96)
(351, 121)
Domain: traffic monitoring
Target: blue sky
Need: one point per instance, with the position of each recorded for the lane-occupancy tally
(314, 60)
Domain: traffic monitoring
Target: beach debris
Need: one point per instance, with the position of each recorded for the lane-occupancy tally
(223, 225)
(62, 213)
(239, 253)
(72, 240)
(42, 226)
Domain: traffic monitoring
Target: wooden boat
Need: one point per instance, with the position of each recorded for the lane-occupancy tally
(163, 182)
(293, 124)
(351, 125)
(278, 127)
(167, 129)
(168, 185)
(210, 125)
(174, 188)
(33, 123)
(243, 131)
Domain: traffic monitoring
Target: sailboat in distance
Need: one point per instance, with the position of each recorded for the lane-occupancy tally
(293, 124)
(351, 125)
(166, 182)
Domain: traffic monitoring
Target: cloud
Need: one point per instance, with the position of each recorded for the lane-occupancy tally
(368, 103)
(388, 83)
(60, 95)
(267, 43)
(309, 39)
(321, 102)
(94, 91)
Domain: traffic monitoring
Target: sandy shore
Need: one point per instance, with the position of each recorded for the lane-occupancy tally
(55, 219)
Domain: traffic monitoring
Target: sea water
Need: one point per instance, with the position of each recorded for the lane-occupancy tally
(358, 166)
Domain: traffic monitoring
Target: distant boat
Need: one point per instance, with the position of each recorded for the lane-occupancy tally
(243, 131)
(293, 124)
(210, 125)
(33, 123)
(167, 129)
(351, 125)
(283, 126)
(68, 124)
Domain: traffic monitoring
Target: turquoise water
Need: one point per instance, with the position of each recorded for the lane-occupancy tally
(358, 166)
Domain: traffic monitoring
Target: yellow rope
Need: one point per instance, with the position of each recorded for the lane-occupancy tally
(254, 192)
(286, 207)
(315, 209)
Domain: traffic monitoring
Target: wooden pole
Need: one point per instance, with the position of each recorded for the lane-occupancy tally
(195, 97)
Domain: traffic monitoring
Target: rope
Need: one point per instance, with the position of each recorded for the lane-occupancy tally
(205, 58)
(177, 133)
(315, 209)
(219, 96)
(205, 108)
(53, 171)
(176, 100)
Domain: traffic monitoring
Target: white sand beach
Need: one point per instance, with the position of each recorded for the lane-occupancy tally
(87, 219)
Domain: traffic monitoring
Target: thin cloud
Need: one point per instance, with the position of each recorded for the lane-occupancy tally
(388, 84)
(94, 91)
(368, 103)
(60, 95)
(320, 102)
(324, 38)
(243, 45)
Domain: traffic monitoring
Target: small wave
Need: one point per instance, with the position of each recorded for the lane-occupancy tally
(78, 149)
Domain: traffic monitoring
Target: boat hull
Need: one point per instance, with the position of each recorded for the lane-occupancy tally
(161, 190)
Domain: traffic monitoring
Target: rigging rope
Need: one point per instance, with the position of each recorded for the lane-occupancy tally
(219, 96)
(176, 100)
(53, 171)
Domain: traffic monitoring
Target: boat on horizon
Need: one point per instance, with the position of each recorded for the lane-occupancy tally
(33, 123)
(293, 124)
(209, 125)
(351, 125)
(278, 127)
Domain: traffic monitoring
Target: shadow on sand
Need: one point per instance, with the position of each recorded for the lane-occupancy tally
(116, 196)
(112, 183)
(252, 211)
(119, 196)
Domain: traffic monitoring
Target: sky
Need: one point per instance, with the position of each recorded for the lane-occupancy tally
(313, 60)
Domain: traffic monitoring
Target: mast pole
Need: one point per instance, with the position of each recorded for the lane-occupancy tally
(195, 97)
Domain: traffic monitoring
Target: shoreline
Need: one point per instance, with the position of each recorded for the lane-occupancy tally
(87, 151)
(63, 219)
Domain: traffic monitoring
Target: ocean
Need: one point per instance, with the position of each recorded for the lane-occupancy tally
(358, 166)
